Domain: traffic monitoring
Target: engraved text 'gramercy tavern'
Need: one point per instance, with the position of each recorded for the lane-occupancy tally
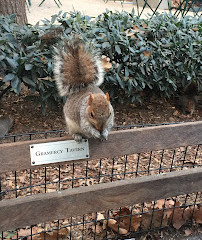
(38, 153)
(45, 153)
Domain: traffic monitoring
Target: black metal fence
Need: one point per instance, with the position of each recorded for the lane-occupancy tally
(121, 223)
(184, 6)
(178, 7)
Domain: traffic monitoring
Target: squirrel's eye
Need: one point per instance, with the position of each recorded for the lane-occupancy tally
(92, 115)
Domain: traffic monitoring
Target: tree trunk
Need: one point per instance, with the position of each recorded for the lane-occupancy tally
(8, 7)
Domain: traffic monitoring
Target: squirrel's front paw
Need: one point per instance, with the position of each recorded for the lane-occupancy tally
(104, 134)
(96, 134)
(77, 137)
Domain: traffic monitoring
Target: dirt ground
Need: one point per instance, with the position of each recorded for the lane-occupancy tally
(27, 115)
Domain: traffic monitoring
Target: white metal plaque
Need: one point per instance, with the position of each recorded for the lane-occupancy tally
(52, 152)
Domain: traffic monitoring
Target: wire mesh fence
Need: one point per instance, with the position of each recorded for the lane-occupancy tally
(114, 223)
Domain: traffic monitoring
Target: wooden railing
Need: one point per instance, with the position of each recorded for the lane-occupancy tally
(34, 209)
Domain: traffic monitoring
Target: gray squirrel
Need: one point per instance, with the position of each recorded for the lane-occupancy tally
(188, 100)
(78, 74)
(5, 125)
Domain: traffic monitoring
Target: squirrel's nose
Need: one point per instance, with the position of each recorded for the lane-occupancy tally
(99, 128)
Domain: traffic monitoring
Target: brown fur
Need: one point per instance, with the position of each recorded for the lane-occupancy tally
(78, 75)
(187, 101)
(107, 96)
(191, 106)
(188, 104)
(78, 65)
(72, 106)
(99, 108)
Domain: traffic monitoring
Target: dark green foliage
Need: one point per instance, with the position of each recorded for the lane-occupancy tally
(161, 54)
(23, 59)
(174, 48)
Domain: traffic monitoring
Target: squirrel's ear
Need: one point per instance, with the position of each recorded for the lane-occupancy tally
(90, 99)
(107, 96)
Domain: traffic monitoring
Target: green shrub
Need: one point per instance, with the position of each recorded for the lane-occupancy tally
(24, 60)
(163, 57)
(160, 54)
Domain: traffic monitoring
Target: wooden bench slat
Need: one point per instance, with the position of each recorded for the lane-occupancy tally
(40, 208)
(16, 156)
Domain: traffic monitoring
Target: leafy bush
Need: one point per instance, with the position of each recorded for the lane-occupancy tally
(160, 54)
(24, 60)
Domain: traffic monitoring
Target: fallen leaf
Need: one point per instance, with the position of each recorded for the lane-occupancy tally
(56, 234)
(144, 25)
(43, 59)
(130, 33)
(168, 213)
(188, 214)
(171, 119)
(135, 223)
(176, 113)
(50, 190)
(147, 53)
(26, 232)
(97, 229)
(22, 178)
(169, 203)
(159, 204)
(137, 29)
(148, 205)
(10, 183)
(198, 214)
(100, 216)
(146, 221)
(187, 232)
(127, 220)
(123, 211)
(106, 63)
(158, 219)
(35, 237)
(104, 224)
(177, 218)
(195, 29)
(114, 225)
(155, 219)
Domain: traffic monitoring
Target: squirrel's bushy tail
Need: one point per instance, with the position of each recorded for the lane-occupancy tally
(76, 67)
